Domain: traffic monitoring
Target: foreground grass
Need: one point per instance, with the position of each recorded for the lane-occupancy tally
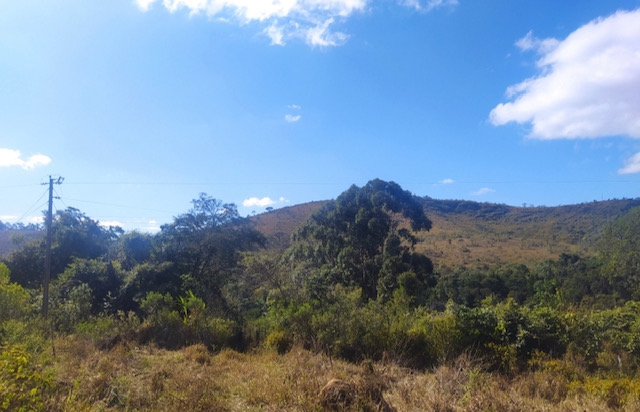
(144, 378)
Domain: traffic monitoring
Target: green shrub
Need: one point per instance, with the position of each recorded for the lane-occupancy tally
(13, 298)
(21, 384)
(280, 341)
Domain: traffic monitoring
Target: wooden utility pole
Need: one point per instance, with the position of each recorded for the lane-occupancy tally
(47, 256)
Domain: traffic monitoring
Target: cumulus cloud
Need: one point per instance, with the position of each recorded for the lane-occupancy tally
(587, 85)
(262, 202)
(632, 165)
(309, 20)
(483, 191)
(10, 158)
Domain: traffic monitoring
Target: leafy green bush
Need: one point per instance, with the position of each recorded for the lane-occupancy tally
(21, 383)
(13, 298)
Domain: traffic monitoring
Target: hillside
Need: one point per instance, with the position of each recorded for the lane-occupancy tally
(483, 234)
(13, 239)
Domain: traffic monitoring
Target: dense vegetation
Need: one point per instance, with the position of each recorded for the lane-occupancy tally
(354, 282)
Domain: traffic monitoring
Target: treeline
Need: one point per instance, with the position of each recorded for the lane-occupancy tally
(351, 285)
(20, 226)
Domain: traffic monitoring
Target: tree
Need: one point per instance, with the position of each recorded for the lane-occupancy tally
(204, 245)
(134, 248)
(103, 279)
(75, 235)
(620, 247)
(26, 264)
(358, 239)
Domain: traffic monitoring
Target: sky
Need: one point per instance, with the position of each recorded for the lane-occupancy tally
(141, 105)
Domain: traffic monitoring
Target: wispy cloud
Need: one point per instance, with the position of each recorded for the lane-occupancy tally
(428, 5)
(263, 202)
(483, 191)
(447, 182)
(541, 46)
(10, 158)
(587, 86)
(312, 21)
(632, 165)
(291, 118)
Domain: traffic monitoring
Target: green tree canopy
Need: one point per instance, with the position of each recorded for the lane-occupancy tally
(74, 236)
(359, 239)
(620, 248)
(204, 245)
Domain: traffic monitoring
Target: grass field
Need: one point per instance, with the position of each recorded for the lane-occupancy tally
(144, 378)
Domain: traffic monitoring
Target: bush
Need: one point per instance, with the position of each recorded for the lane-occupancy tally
(21, 384)
(13, 298)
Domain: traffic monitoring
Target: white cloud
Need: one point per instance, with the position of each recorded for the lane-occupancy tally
(429, 4)
(542, 46)
(8, 218)
(292, 118)
(276, 34)
(262, 202)
(587, 86)
(153, 227)
(144, 5)
(36, 219)
(483, 191)
(294, 107)
(320, 35)
(309, 20)
(447, 181)
(632, 165)
(110, 223)
(9, 158)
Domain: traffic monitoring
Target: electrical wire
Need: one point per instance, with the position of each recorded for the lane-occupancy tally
(33, 207)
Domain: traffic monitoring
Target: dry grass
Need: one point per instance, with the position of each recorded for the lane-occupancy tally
(146, 378)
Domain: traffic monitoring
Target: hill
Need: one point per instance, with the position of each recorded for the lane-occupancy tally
(11, 239)
(483, 234)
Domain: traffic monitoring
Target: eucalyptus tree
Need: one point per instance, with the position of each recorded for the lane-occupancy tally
(364, 238)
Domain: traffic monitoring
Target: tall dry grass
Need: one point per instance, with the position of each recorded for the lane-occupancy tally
(146, 378)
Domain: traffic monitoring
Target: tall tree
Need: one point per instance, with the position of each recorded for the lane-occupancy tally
(358, 239)
(205, 244)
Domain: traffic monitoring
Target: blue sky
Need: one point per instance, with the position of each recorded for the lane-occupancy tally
(141, 105)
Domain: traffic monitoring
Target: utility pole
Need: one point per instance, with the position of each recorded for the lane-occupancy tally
(47, 256)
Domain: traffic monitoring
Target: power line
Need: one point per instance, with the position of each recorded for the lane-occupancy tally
(116, 205)
(33, 207)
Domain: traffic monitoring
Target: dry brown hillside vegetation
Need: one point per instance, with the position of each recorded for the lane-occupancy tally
(483, 234)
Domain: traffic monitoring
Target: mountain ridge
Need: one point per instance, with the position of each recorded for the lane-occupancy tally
(480, 234)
